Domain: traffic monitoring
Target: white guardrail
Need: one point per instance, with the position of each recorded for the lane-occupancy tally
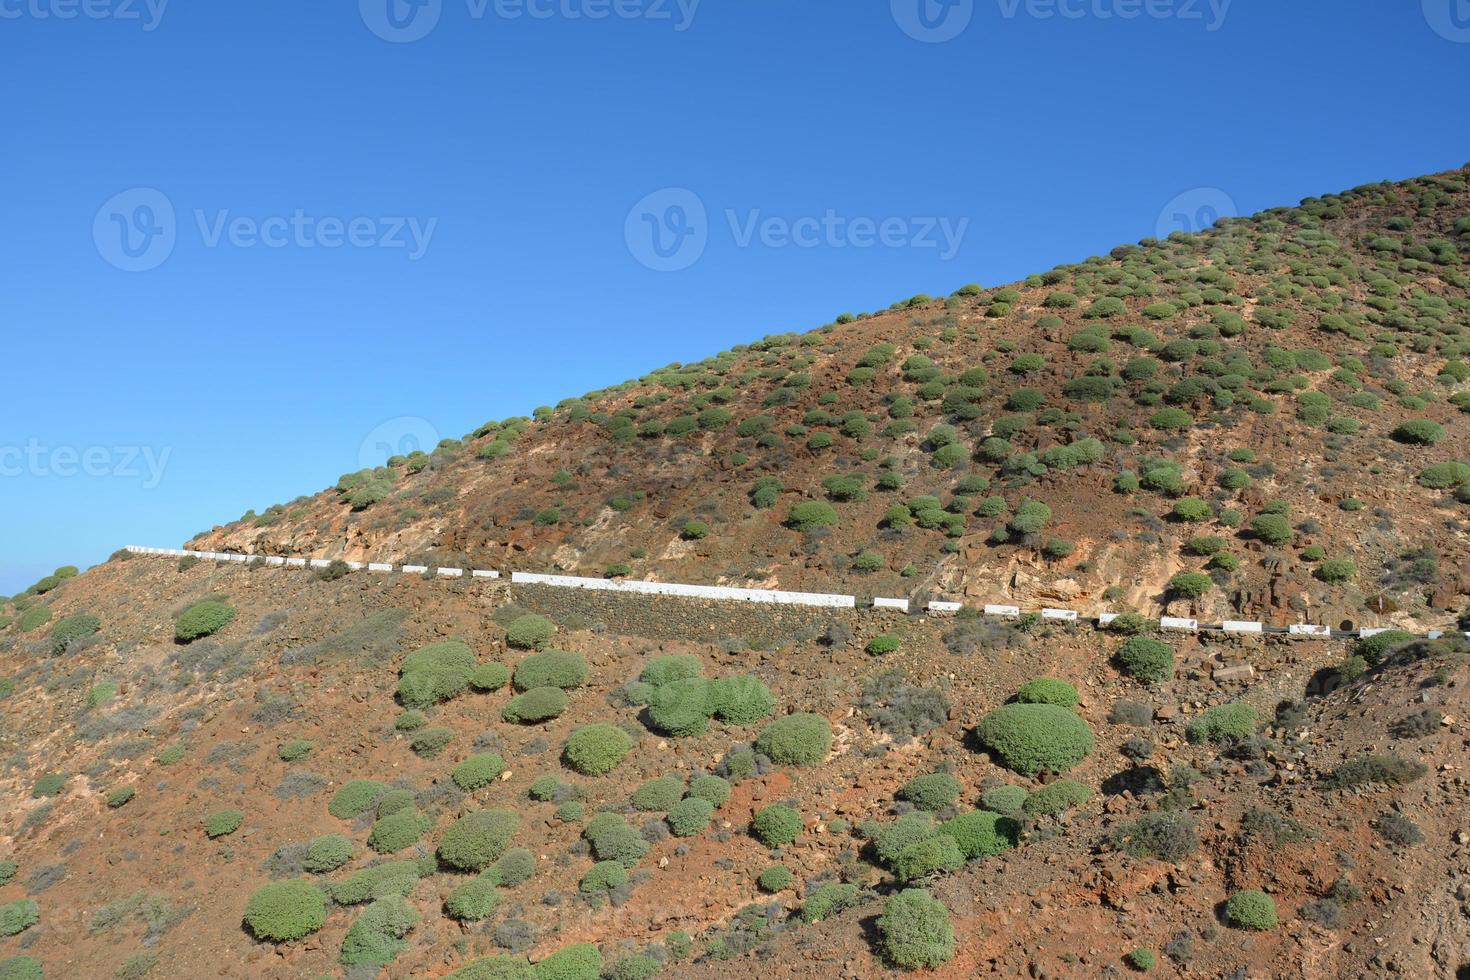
(772, 596)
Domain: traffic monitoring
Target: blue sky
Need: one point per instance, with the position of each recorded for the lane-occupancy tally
(245, 240)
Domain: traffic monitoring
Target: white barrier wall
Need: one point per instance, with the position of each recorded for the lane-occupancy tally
(721, 593)
(939, 606)
(1241, 626)
(481, 573)
(415, 569)
(379, 566)
(1368, 631)
(1310, 629)
(1068, 615)
(1104, 619)
(1010, 611)
(902, 605)
(1178, 623)
(451, 573)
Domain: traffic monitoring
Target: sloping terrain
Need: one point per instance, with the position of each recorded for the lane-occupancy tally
(243, 771)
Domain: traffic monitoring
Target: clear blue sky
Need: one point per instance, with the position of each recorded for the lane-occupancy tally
(233, 374)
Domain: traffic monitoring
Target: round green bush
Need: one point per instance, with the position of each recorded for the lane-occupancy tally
(920, 859)
(1251, 909)
(490, 677)
(434, 673)
(682, 708)
(495, 968)
(690, 816)
(1048, 690)
(1234, 720)
(514, 868)
(1190, 585)
(980, 833)
(395, 801)
(33, 618)
(596, 750)
(934, 791)
(776, 878)
(580, 962)
(21, 968)
(1004, 799)
(223, 823)
(1273, 529)
(1419, 432)
(1034, 738)
(202, 619)
(17, 917)
(327, 853)
(551, 668)
(1145, 659)
(811, 515)
(7, 871)
(76, 627)
(658, 795)
(393, 833)
(50, 784)
(1373, 649)
(828, 900)
(476, 840)
(1055, 797)
(529, 632)
(776, 825)
(295, 749)
(798, 740)
(884, 643)
(1141, 959)
(604, 876)
(357, 796)
(890, 841)
(915, 930)
(410, 720)
(121, 796)
(664, 670)
(376, 936)
(1444, 476)
(284, 911)
(711, 788)
(1191, 510)
(740, 699)
(535, 706)
(473, 900)
(1336, 571)
(428, 742)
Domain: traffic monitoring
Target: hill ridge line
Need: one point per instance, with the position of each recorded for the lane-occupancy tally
(781, 597)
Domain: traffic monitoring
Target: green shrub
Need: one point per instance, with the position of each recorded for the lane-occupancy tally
(740, 699)
(495, 968)
(409, 721)
(1166, 836)
(121, 796)
(476, 840)
(535, 706)
(50, 784)
(596, 750)
(75, 627)
(776, 825)
(1191, 510)
(658, 795)
(478, 770)
(613, 840)
(920, 859)
(1444, 476)
(529, 632)
(827, 900)
(7, 872)
(223, 823)
(931, 792)
(1234, 720)
(1274, 529)
(327, 853)
(22, 968)
(551, 668)
(473, 900)
(1419, 432)
(170, 754)
(1251, 909)
(604, 877)
(1190, 585)
(884, 643)
(580, 962)
(811, 515)
(915, 930)
(17, 917)
(690, 816)
(1004, 799)
(797, 739)
(665, 670)
(435, 673)
(1145, 659)
(429, 742)
(1386, 770)
(389, 878)
(1056, 797)
(357, 796)
(1171, 419)
(981, 833)
(489, 677)
(203, 619)
(1337, 571)
(392, 833)
(514, 868)
(1048, 690)
(33, 618)
(284, 911)
(376, 937)
(1033, 738)
(711, 788)
(776, 878)
(295, 749)
(681, 708)
(1141, 959)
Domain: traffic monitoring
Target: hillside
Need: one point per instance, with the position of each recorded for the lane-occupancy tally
(240, 770)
